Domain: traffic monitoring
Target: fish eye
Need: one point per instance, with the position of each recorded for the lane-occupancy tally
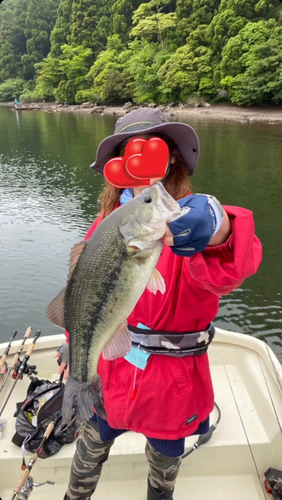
(147, 199)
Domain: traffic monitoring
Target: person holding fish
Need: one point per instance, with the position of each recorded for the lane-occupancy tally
(142, 294)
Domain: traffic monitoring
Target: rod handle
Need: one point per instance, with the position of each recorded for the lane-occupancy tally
(49, 429)
(6, 352)
(15, 360)
(25, 474)
(3, 361)
(31, 347)
(22, 481)
(17, 355)
(28, 332)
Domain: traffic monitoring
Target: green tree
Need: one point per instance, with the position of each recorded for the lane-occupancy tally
(91, 24)
(233, 60)
(12, 38)
(153, 24)
(232, 17)
(61, 32)
(144, 61)
(74, 68)
(186, 72)
(122, 12)
(192, 16)
(41, 16)
(109, 51)
(256, 77)
(11, 89)
(107, 75)
(49, 74)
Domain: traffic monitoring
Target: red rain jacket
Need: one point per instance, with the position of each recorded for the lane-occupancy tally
(174, 395)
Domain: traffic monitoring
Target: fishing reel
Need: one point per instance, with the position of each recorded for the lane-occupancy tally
(28, 370)
(28, 487)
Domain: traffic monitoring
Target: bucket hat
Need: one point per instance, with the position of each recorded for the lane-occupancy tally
(149, 121)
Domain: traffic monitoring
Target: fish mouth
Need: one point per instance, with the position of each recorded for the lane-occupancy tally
(150, 227)
(167, 203)
(167, 208)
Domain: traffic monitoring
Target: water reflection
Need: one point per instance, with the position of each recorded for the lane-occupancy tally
(240, 164)
(49, 198)
(263, 319)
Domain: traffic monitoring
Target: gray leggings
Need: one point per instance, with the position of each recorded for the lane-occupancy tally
(91, 453)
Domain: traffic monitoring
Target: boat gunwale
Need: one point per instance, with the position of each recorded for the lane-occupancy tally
(224, 337)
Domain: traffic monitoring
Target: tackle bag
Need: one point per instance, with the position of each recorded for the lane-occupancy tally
(273, 483)
(42, 406)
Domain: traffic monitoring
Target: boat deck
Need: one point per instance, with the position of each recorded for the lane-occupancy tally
(247, 381)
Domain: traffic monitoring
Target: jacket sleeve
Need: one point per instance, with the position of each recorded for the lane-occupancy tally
(87, 236)
(223, 268)
(92, 228)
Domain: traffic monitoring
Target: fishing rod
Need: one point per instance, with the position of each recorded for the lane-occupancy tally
(26, 484)
(3, 358)
(16, 358)
(22, 369)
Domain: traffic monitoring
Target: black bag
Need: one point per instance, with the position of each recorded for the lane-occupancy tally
(273, 482)
(42, 406)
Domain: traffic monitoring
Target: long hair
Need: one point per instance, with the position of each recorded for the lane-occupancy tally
(177, 182)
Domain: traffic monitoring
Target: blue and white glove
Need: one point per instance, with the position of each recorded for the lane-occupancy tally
(200, 219)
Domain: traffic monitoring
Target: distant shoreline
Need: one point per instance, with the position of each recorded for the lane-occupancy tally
(222, 112)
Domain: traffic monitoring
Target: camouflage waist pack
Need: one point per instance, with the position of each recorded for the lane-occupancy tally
(42, 406)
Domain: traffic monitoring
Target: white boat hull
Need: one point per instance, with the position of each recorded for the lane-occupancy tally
(247, 382)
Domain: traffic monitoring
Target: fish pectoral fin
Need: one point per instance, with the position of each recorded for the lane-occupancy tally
(119, 345)
(156, 283)
(76, 252)
(55, 310)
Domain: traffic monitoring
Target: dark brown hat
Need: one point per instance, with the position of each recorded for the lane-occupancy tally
(150, 121)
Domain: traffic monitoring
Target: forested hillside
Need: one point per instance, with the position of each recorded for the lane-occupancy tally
(158, 51)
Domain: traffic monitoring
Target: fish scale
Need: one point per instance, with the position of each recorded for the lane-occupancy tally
(106, 280)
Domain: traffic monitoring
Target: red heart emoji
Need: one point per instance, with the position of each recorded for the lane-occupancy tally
(134, 147)
(152, 162)
(116, 174)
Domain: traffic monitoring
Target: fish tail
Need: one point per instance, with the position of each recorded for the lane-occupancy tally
(85, 398)
(97, 394)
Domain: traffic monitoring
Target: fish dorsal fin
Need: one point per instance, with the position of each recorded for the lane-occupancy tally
(76, 252)
(119, 345)
(156, 283)
(55, 310)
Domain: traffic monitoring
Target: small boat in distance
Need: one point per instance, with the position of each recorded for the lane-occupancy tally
(247, 380)
(26, 108)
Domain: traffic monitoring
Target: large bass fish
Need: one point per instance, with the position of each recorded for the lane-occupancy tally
(108, 274)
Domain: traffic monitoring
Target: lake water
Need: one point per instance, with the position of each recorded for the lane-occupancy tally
(48, 201)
